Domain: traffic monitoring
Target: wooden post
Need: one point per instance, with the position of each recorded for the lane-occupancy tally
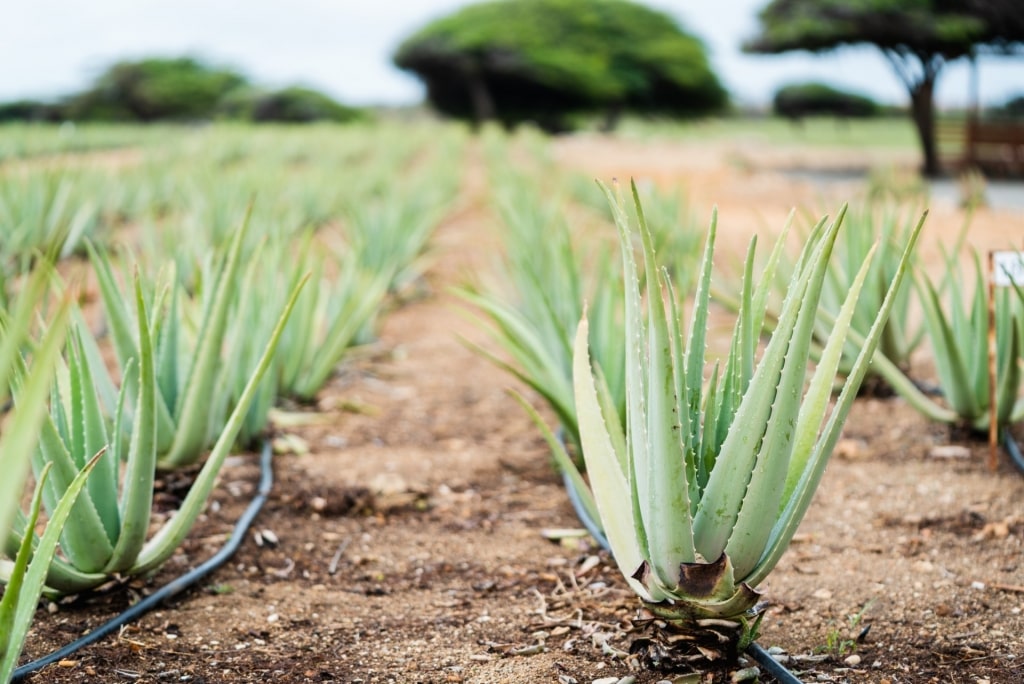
(993, 427)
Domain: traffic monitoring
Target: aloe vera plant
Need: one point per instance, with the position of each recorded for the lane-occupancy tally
(193, 393)
(533, 318)
(17, 607)
(695, 529)
(106, 536)
(958, 335)
(329, 319)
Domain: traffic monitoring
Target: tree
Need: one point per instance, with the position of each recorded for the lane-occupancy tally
(294, 104)
(798, 100)
(154, 89)
(917, 37)
(544, 60)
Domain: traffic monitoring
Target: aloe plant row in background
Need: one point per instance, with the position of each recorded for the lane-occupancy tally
(184, 194)
(204, 346)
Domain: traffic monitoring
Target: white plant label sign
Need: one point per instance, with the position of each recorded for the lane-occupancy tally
(1008, 268)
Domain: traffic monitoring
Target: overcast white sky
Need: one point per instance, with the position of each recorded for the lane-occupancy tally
(54, 47)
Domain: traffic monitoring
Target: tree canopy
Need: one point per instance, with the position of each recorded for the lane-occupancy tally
(541, 60)
(180, 89)
(798, 100)
(155, 89)
(917, 37)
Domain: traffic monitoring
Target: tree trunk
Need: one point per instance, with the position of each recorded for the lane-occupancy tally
(480, 97)
(612, 115)
(922, 109)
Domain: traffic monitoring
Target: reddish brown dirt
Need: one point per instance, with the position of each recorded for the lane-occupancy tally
(410, 544)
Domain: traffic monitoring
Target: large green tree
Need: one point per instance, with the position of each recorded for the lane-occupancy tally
(542, 60)
(917, 37)
(154, 89)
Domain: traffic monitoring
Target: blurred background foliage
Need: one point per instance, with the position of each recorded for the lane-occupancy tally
(547, 60)
(180, 89)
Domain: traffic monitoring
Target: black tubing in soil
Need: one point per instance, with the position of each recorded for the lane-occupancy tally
(761, 656)
(174, 587)
(1013, 449)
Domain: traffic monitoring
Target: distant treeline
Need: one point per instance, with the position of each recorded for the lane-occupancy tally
(180, 89)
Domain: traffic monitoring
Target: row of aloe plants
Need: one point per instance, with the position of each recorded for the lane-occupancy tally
(204, 346)
(186, 192)
(944, 312)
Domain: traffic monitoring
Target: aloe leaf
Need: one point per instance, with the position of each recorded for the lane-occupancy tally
(140, 468)
(564, 462)
(666, 506)
(193, 411)
(35, 578)
(19, 436)
(637, 443)
(125, 345)
(949, 360)
(723, 496)
(102, 486)
(795, 507)
(15, 579)
(608, 481)
(767, 479)
(816, 400)
(160, 547)
(19, 322)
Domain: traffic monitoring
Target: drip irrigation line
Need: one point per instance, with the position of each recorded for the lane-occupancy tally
(174, 587)
(1013, 449)
(761, 656)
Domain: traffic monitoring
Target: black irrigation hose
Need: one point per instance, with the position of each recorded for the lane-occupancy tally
(763, 658)
(174, 587)
(1013, 449)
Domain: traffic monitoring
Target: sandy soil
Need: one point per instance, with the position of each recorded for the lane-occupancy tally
(410, 543)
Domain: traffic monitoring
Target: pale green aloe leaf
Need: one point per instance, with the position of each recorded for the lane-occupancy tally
(140, 467)
(665, 508)
(723, 496)
(86, 542)
(160, 547)
(768, 275)
(20, 433)
(1009, 381)
(21, 430)
(948, 356)
(103, 485)
(167, 354)
(563, 460)
(18, 323)
(636, 386)
(126, 346)
(697, 343)
(608, 480)
(549, 387)
(15, 580)
(193, 413)
(767, 479)
(689, 421)
(35, 577)
(816, 400)
(814, 466)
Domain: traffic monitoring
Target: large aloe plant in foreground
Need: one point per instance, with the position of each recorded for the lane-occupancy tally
(696, 522)
(17, 607)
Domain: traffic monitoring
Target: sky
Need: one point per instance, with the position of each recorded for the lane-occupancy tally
(343, 47)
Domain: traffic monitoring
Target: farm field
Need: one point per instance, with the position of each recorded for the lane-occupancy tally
(408, 536)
